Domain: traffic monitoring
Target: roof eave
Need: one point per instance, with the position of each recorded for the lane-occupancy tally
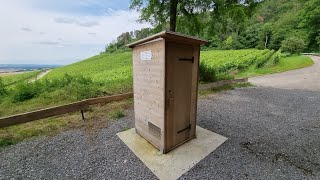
(171, 35)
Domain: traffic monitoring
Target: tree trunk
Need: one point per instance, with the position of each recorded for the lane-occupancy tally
(266, 42)
(173, 14)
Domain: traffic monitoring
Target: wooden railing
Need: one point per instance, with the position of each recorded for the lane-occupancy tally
(84, 104)
(58, 110)
(311, 54)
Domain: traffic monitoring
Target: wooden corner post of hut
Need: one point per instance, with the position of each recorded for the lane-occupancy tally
(166, 73)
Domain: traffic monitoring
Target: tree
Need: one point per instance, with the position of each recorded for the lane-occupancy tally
(265, 36)
(310, 19)
(159, 12)
(318, 41)
(293, 45)
(250, 37)
(173, 14)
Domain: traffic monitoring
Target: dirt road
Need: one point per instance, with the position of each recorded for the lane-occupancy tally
(305, 78)
(40, 75)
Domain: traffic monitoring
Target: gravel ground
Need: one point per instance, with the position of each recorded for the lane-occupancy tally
(273, 134)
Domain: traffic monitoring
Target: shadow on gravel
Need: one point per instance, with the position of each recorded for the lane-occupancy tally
(307, 166)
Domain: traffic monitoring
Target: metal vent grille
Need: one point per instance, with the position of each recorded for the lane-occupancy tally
(154, 130)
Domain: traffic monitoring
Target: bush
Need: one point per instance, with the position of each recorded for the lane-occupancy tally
(263, 59)
(118, 114)
(293, 45)
(207, 74)
(82, 91)
(25, 91)
(3, 89)
(78, 87)
(275, 58)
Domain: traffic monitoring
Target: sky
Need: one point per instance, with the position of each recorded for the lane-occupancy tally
(61, 31)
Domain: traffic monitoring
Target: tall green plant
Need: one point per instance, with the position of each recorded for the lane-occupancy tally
(293, 45)
(3, 89)
(207, 74)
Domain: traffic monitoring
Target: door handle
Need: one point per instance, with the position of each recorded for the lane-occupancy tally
(187, 59)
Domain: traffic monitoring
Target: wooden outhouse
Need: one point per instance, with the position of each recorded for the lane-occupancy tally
(165, 84)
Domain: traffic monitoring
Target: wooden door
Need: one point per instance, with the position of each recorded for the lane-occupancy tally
(179, 64)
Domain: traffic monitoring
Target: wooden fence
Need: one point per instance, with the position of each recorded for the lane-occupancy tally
(84, 104)
(58, 110)
(311, 54)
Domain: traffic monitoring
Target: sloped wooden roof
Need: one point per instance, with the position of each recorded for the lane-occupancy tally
(172, 36)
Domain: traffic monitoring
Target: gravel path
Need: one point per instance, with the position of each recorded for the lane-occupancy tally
(40, 75)
(272, 134)
(305, 78)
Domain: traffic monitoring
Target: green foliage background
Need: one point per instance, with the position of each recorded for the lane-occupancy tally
(262, 24)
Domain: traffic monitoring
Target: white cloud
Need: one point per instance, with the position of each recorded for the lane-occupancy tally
(29, 35)
(68, 20)
(25, 29)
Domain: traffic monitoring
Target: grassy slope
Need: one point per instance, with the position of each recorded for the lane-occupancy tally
(16, 78)
(285, 64)
(114, 72)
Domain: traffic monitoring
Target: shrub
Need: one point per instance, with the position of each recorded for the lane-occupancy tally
(76, 86)
(82, 91)
(25, 91)
(293, 45)
(207, 74)
(3, 89)
(118, 114)
(275, 58)
(263, 59)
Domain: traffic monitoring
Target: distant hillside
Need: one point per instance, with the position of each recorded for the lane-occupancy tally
(25, 67)
(112, 70)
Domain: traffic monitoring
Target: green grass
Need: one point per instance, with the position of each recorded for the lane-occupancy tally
(118, 114)
(97, 117)
(108, 74)
(285, 64)
(112, 71)
(112, 74)
(17, 78)
(225, 60)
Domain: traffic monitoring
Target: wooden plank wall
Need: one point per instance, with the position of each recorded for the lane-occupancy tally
(149, 90)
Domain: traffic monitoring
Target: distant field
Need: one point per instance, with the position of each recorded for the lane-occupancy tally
(3, 73)
(14, 78)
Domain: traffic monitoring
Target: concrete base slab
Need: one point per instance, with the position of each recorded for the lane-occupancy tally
(178, 161)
